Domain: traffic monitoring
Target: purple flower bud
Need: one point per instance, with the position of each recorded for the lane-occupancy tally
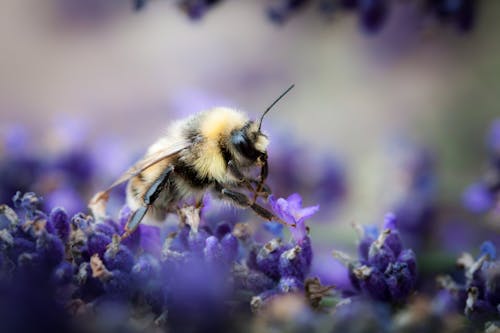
(29, 263)
(150, 240)
(293, 263)
(18, 246)
(263, 298)
(408, 257)
(29, 202)
(50, 248)
(97, 243)
(489, 249)
(368, 234)
(373, 282)
(63, 274)
(119, 284)
(251, 259)
(478, 309)
(177, 241)
(6, 239)
(290, 284)
(390, 221)
(307, 251)
(212, 250)
(393, 242)
(400, 281)
(252, 280)
(59, 221)
(196, 240)
(268, 258)
(89, 286)
(118, 257)
(82, 221)
(105, 229)
(364, 248)
(8, 217)
(229, 245)
(379, 255)
(146, 268)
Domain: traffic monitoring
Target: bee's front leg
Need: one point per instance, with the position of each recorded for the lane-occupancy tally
(260, 190)
(242, 200)
(240, 176)
(261, 186)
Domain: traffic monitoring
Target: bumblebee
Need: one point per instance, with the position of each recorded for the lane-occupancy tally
(214, 150)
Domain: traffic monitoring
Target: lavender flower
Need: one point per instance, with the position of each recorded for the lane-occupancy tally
(372, 14)
(482, 195)
(479, 295)
(385, 270)
(291, 211)
(196, 9)
(278, 267)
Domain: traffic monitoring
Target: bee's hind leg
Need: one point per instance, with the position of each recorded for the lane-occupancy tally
(149, 198)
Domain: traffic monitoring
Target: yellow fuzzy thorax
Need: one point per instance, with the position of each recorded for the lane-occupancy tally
(221, 121)
(217, 123)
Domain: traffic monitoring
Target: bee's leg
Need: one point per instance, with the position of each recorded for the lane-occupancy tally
(261, 189)
(243, 200)
(149, 198)
(238, 174)
(199, 202)
(264, 170)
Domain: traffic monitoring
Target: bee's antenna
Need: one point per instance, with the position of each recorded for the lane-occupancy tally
(273, 103)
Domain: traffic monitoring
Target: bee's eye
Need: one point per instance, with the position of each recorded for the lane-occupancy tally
(243, 145)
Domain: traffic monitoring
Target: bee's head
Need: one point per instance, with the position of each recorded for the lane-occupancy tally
(249, 142)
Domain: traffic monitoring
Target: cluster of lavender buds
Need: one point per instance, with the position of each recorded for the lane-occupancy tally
(65, 178)
(385, 271)
(483, 195)
(373, 14)
(477, 293)
(194, 9)
(278, 267)
(184, 277)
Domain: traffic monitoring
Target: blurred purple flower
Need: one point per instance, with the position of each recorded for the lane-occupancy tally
(493, 138)
(477, 198)
(385, 270)
(477, 294)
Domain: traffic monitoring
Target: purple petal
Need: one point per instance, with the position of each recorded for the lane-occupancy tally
(295, 201)
(299, 232)
(306, 212)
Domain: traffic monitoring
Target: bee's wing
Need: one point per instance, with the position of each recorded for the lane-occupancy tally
(143, 164)
(148, 161)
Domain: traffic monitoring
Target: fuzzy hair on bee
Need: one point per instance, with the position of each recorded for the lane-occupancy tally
(212, 151)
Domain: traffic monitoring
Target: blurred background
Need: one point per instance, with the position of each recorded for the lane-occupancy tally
(99, 74)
